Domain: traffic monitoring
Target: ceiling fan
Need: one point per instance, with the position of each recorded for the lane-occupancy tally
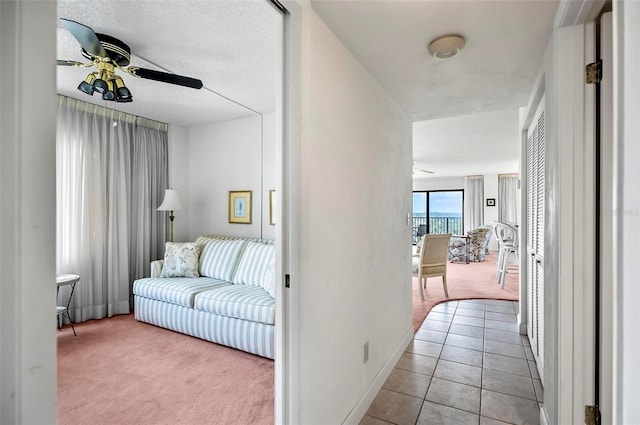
(108, 54)
(417, 170)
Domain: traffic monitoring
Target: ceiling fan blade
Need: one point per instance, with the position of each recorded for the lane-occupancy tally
(165, 77)
(70, 63)
(86, 37)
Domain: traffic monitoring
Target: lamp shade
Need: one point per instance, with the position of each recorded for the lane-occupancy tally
(171, 201)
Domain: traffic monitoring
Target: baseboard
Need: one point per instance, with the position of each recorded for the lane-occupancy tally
(360, 409)
(544, 417)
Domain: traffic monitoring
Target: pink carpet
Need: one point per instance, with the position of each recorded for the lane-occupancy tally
(464, 281)
(120, 371)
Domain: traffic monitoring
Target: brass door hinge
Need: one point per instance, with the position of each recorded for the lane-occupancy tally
(593, 72)
(591, 415)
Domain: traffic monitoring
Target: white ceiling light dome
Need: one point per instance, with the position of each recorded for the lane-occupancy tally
(446, 47)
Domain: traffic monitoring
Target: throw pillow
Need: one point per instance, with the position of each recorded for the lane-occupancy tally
(181, 259)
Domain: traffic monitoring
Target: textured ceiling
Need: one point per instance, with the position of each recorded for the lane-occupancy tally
(484, 143)
(496, 70)
(229, 44)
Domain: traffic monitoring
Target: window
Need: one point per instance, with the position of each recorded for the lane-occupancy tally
(437, 212)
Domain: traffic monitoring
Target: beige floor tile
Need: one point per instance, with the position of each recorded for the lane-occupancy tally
(511, 318)
(407, 382)
(431, 335)
(503, 336)
(436, 325)
(452, 394)
(501, 303)
(370, 420)
(507, 383)
(417, 363)
(533, 369)
(503, 326)
(471, 313)
(507, 309)
(448, 308)
(506, 364)
(425, 348)
(511, 350)
(462, 355)
(433, 413)
(472, 305)
(394, 407)
(488, 421)
(458, 372)
(465, 320)
(467, 330)
(465, 342)
(510, 409)
(441, 317)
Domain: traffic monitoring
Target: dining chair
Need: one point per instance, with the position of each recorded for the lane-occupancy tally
(432, 261)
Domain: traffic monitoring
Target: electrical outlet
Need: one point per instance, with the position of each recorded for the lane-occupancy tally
(366, 352)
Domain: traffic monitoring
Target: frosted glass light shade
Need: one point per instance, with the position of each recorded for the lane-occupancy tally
(171, 201)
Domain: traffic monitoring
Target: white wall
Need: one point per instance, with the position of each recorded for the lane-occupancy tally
(178, 137)
(228, 156)
(355, 266)
(626, 212)
(27, 212)
(444, 183)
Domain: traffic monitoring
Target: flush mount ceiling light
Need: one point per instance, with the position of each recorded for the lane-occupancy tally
(446, 47)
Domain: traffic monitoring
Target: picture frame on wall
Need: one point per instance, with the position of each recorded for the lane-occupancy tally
(272, 206)
(240, 206)
(491, 202)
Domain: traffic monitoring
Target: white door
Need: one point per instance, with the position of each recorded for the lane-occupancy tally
(535, 235)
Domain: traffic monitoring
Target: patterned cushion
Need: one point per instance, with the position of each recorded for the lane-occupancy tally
(240, 302)
(477, 239)
(219, 258)
(180, 260)
(256, 259)
(178, 290)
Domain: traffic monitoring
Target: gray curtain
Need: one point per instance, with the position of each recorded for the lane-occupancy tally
(474, 201)
(508, 204)
(110, 180)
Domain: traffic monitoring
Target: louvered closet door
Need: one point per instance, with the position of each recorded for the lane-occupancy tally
(535, 235)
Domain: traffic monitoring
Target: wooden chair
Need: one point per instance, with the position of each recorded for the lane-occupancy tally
(432, 261)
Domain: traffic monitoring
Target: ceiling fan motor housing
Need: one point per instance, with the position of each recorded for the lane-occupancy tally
(118, 51)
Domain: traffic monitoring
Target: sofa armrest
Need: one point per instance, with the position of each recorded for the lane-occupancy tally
(156, 268)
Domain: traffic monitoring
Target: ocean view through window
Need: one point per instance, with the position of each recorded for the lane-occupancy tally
(437, 212)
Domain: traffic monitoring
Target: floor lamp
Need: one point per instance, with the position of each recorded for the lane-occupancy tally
(170, 203)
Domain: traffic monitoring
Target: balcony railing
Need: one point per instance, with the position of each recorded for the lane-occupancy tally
(436, 225)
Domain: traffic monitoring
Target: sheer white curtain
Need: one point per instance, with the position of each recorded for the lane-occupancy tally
(474, 201)
(110, 179)
(508, 204)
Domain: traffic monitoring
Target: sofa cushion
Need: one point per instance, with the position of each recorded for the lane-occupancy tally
(175, 290)
(238, 301)
(256, 260)
(180, 260)
(219, 258)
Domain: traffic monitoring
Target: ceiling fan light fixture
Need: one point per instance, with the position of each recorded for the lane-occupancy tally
(100, 85)
(446, 47)
(87, 85)
(123, 94)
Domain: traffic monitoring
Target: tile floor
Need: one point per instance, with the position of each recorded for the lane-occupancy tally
(467, 364)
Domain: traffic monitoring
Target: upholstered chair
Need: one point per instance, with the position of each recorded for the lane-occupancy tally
(472, 247)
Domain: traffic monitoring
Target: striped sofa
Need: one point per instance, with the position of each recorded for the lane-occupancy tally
(231, 303)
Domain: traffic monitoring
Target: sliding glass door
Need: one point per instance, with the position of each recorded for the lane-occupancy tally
(437, 212)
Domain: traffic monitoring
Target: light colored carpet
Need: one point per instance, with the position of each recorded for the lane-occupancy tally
(464, 281)
(120, 371)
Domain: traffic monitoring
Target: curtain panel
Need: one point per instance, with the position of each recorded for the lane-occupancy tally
(110, 180)
(508, 203)
(474, 201)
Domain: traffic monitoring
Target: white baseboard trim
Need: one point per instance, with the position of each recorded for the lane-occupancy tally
(544, 417)
(360, 409)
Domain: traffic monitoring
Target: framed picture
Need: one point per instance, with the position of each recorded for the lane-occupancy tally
(491, 202)
(272, 207)
(240, 206)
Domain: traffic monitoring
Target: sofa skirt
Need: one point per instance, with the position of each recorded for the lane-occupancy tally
(252, 337)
